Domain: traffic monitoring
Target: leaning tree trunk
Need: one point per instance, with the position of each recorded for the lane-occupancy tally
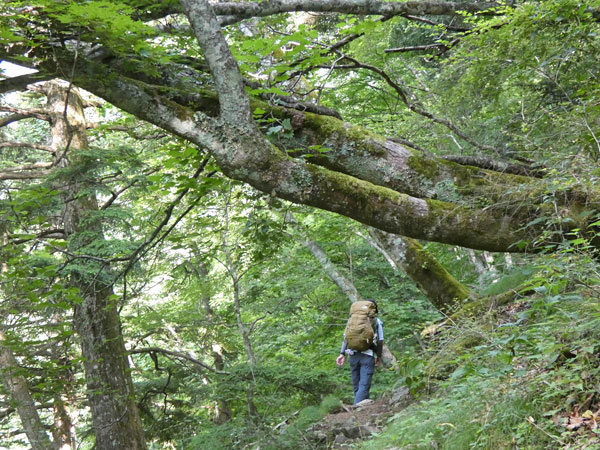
(16, 385)
(237, 306)
(444, 291)
(345, 285)
(223, 412)
(115, 417)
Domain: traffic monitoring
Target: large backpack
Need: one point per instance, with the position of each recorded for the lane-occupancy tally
(360, 327)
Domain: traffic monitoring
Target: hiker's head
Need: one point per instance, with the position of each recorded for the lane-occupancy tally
(374, 302)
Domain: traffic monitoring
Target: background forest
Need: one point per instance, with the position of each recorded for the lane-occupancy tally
(182, 236)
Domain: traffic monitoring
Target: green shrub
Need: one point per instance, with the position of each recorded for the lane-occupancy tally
(331, 404)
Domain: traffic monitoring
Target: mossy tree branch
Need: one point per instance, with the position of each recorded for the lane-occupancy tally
(444, 291)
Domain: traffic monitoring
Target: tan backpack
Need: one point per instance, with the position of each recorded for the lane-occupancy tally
(359, 329)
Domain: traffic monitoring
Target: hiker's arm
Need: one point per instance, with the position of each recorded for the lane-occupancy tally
(341, 358)
(344, 347)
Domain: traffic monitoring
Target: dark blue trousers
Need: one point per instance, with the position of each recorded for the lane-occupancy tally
(362, 367)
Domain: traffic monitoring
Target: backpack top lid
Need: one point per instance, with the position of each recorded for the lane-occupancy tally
(374, 302)
(366, 307)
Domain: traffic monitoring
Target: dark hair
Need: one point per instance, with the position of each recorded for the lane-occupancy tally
(373, 301)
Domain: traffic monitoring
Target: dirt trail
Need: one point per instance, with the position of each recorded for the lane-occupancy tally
(352, 424)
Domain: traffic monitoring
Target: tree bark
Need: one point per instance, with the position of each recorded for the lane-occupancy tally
(361, 175)
(109, 387)
(245, 155)
(482, 263)
(16, 385)
(223, 412)
(439, 286)
(232, 12)
(345, 285)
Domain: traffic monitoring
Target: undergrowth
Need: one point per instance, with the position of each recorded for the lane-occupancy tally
(290, 434)
(524, 377)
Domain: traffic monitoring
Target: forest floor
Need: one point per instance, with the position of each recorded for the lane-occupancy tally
(351, 424)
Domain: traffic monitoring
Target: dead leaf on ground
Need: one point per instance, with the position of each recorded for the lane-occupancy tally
(587, 420)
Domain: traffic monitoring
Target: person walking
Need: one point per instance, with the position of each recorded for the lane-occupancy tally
(362, 360)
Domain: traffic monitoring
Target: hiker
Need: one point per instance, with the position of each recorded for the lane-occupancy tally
(362, 346)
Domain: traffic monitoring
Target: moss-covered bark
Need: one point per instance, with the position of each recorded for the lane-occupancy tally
(444, 291)
(244, 154)
(362, 176)
(463, 205)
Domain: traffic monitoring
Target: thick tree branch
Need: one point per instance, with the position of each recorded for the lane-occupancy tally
(232, 12)
(19, 114)
(44, 148)
(233, 100)
(27, 175)
(248, 157)
(58, 233)
(20, 83)
(7, 120)
(497, 166)
(243, 10)
(290, 102)
(377, 163)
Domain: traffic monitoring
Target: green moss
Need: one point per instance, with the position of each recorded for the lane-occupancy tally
(442, 289)
(348, 138)
(425, 166)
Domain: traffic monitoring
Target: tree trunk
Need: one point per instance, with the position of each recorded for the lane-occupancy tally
(109, 387)
(16, 385)
(223, 412)
(483, 263)
(232, 269)
(63, 431)
(345, 285)
(439, 286)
